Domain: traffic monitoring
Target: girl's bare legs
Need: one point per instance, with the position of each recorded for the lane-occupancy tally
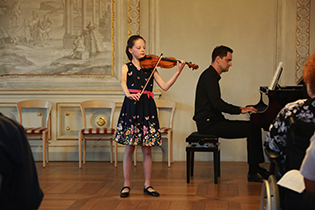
(147, 166)
(127, 164)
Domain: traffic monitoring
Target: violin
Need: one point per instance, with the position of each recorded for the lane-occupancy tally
(149, 61)
(153, 61)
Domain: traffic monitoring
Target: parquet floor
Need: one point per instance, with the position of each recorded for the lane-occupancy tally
(97, 186)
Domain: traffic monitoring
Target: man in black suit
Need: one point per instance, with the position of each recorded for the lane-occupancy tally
(209, 108)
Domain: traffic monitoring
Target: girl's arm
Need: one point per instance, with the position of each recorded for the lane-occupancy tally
(123, 84)
(166, 85)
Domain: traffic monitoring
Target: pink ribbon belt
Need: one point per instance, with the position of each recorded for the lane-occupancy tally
(149, 93)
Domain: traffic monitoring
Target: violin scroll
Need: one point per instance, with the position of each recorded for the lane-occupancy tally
(193, 66)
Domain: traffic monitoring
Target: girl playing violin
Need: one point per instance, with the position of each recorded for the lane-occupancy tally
(138, 123)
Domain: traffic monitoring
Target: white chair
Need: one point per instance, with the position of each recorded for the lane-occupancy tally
(101, 130)
(167, 129)
(270, 198)
(35, 132)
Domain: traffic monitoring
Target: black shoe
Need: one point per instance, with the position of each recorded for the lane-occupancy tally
(263, 172)
(124, 194)
(153, 193)
(254, 177)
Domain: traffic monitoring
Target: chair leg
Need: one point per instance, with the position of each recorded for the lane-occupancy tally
(111, 151)
(275, 196)
(169, 142)
(171, 146)
(216, 166)
(80, 149)
(192, 159)
(44, 150)
(219, 164)
(116, 153)
(47, 148)
(265, 197)
(84, 150)
(135, 157)
(188, 164)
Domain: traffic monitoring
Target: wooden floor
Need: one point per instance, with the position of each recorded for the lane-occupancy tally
(97, 186)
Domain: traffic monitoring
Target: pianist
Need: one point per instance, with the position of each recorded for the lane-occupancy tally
(210, 120)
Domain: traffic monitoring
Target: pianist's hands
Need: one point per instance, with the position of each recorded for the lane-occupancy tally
(248, 109)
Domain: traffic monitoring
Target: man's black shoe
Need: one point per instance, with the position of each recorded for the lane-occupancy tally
(254, 177)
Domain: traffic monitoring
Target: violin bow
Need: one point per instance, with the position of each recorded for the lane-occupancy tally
(157, 63)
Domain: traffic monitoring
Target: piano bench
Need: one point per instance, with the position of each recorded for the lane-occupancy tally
(202, 143)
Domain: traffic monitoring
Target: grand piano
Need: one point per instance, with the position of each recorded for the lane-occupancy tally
(273, 98)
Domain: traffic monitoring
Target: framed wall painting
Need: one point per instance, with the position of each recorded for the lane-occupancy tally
(56, 37)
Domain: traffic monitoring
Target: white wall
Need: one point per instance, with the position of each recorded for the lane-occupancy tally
(261, 33)
(189, 30)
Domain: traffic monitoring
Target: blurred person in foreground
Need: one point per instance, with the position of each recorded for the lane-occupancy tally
(19, 185)
(277, 139)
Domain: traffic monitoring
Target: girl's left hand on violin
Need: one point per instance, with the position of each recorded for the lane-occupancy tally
(153, 61)
(180, 66)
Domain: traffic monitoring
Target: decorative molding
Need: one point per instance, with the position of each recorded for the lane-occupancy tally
(302, 36)
(113, 37)
(133, 17)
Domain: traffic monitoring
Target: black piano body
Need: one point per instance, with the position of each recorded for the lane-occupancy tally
(272, 101)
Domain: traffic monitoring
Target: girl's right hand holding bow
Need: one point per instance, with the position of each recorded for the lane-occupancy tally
(133, 96)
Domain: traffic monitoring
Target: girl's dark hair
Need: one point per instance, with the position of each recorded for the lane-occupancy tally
(131, 41)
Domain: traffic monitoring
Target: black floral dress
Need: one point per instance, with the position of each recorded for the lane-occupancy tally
(138, 122)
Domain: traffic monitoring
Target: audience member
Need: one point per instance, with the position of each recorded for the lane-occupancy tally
(19, 188)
